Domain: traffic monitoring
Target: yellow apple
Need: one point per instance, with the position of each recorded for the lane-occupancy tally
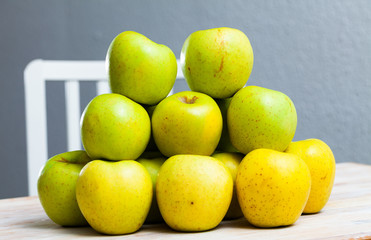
(193, 192)
(321, 162)
(114, 197)
(272, 187)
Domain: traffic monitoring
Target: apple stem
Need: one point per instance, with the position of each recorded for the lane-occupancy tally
(187, 100)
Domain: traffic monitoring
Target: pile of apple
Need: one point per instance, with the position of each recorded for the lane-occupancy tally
(192, 158)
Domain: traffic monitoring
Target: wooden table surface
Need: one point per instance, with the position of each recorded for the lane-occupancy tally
(347, 215)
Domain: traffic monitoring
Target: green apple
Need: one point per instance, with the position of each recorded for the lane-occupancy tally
(153, 167)
(193, 192)
(261, 118)
(151, 147)
(217, 61)
(56, 188)
(225, 144)
(113, 127)
(187, 123)
(114, 197)
(272, 187)
(231, 161)
(321, 162)
(139, 68)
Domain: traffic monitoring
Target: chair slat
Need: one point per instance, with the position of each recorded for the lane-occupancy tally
(102, 87)
(72, 93)
(36, 128)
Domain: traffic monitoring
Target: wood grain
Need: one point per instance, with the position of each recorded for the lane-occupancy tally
(347, 215)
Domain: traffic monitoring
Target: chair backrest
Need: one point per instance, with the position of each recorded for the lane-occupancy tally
(36, 73)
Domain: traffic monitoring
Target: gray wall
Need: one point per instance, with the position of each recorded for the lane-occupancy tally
(317, 52)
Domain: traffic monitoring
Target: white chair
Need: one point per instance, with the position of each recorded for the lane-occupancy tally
(36, 73)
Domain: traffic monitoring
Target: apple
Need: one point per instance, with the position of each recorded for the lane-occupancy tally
(56, 188)
(151, 147)
(261, 118)
(153, 166)
(114, 197)
(272, 187)
(231, 162)
(139, 68)
(225, 144)
(113, 127)
(193, 192)
(321, 162)
(217, 61)
(187, 123)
